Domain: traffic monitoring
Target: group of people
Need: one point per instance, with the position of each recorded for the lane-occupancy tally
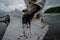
(6, 19)
(29, 13)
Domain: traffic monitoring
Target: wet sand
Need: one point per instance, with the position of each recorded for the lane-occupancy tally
(54, 29)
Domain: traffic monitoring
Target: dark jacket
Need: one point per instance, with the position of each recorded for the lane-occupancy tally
(28, 16)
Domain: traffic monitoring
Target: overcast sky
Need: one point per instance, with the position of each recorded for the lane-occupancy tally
(8, 5)
(51, 3)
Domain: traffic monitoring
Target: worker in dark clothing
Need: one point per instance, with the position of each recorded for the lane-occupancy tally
(29, 14)
(7, 19)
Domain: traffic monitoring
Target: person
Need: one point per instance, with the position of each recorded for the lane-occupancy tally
(7, 19)
(29, 13)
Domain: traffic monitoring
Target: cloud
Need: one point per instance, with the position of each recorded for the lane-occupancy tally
(3, 7)
(54, 2)
(9, 5)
